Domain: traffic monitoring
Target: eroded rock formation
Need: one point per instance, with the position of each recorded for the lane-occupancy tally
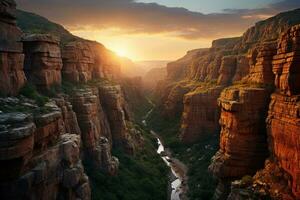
(39, 160)
(201, 113)
(95, 130)
(119, 118)
(283, 122)
(42, 146)
(279, 179)
(43, 61)
(12, 76)
(86, 60)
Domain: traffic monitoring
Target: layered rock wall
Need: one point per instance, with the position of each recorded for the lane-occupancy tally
(283, 122)
(12, 77)
(39, 160)
(118, 116)
(43, 61)
(86, 60)
(200, 115)
(95, 130)
(243, 139)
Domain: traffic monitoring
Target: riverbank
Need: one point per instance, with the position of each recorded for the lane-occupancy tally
(178, 179)
(197, 156)
(178, 186)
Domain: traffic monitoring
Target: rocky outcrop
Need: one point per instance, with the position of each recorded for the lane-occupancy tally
(243, 145)
(43, 61)
(199, 120)
(261, 63)
(12, 77)
(268, 30)
(78, 62)
(69, 116)
(118, 115)
(280, 177)
(227, 70)
(95, 130)
(39, 160)
(86, 60)
(283, 122)
(242, 68)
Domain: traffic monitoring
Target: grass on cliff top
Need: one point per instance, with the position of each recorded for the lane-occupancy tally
(246, 84)
(196, 156)
(31, 92)
(143, 176)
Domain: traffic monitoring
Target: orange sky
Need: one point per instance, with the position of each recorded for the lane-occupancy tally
(163, 30)
(144, 46)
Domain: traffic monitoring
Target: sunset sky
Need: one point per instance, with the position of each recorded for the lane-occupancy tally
(156, 29)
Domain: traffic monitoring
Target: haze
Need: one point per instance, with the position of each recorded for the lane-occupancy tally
(162, 30)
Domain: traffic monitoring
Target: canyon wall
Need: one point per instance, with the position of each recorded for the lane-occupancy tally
(44, 141)
(12, 77)
(247, 88)
(39, 160)
(43, 61)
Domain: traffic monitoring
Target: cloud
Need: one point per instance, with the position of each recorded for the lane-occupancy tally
(134, 18)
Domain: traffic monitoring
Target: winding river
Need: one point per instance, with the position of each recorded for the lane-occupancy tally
(178, 176)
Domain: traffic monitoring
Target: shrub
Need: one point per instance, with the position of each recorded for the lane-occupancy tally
(247, 180)
(30, 92)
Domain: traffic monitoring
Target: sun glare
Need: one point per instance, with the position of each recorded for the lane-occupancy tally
(122, 52)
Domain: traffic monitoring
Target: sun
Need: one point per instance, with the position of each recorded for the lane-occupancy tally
(122, 52)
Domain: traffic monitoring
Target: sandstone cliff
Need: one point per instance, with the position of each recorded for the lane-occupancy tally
(232, 84)
(280, 177)
(43, 141)
(39, 160)
(12, 76)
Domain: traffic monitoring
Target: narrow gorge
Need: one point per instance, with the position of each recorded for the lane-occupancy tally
(219, 123)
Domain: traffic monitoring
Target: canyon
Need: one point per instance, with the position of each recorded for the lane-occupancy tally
(71, 121)
(247, 90)
(63, 111)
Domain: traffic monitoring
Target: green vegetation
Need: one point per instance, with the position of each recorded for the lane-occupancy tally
(246, 84)
(140, 110)
(142, 176)
(197, 156)
(34, 24)
(30, 92)
(247, 180)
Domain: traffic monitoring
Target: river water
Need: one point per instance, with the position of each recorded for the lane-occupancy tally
(176, 178)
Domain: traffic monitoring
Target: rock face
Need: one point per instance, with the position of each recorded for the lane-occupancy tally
(69, 116)
(78, 62)
(118, 115)
(203, 74)
(38, 159)
(283, 122)
(227, 70)
(199, 120)
(243, 135)
(95, 130)
(42, 146)
(261, 63)
(243, 140)
(43, 61)
(12, 77)
(243, 145)
(84, 60)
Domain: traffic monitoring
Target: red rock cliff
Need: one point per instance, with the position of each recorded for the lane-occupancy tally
(43, 61)
(12, 76)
